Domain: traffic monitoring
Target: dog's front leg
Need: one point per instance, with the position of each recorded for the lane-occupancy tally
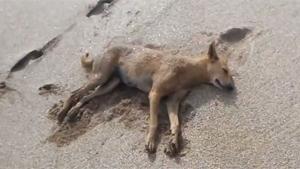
(173, 103)
(154, 98)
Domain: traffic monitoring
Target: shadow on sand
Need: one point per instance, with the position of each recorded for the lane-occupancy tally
(130, 107)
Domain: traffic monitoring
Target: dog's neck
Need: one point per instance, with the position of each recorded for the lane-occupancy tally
(200, 72)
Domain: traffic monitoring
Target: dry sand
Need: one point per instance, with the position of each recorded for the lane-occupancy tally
(42, 42)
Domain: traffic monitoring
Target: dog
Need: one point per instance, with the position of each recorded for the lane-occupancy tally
(156, 72)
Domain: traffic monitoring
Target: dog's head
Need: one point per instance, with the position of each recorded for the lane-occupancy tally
(218, 71)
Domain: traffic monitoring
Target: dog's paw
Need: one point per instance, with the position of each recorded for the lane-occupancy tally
(61, 116)
(173, 147)
(150, 146)
(72, 114)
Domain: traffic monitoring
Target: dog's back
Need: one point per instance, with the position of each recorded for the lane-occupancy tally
(136, 66)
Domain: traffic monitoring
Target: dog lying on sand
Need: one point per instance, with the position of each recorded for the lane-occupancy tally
(158, 73)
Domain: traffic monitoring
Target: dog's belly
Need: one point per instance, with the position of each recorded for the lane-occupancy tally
(141, 81)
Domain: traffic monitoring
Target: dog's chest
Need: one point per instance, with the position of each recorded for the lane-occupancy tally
(142, 81)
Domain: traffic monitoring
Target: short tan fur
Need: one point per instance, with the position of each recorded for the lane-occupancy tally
(153, 71)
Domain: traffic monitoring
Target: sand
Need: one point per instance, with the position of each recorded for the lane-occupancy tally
(41, 45)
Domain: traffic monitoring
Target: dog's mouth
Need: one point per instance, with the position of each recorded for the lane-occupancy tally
(225, 87)
(219, 84)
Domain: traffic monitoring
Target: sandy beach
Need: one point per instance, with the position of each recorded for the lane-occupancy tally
(41, 43)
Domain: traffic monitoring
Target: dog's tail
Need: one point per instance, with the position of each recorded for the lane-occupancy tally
(87, 62)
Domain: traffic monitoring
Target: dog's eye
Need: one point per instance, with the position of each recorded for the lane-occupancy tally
(225, 70)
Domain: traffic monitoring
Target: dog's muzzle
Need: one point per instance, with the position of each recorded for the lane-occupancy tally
(229, 87)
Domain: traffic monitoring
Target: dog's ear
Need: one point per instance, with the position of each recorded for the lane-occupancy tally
(212, 53)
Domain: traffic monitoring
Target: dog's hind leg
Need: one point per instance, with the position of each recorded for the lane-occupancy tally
(102, 71)
(77, 95)
(100, 90)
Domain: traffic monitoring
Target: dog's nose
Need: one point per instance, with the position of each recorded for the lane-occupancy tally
(230, 88)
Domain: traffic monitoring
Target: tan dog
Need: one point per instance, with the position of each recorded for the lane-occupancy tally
(153, 71)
